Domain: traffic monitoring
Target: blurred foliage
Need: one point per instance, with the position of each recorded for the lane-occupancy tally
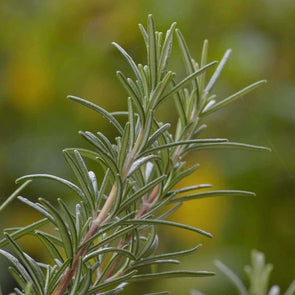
(50, 49)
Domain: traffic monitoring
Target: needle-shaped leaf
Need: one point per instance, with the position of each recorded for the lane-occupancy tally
(18, 266)
(124, 278)
(217, 193)
(204, 55)
(50, 246)
(139, 162)
(156, 262)
(157, 134)
(159, 90)
(190, 188)
(186, 80)
(108, 250)
(24, 231)
(69, 184)
(17, 277)
(37, 207)
(130, 61)
(14, 195)
(144, 34)
(133, 95)
(159, 293)
(217, 72)
(99, 110)
(231, 145)
(185, 142)
(232, 276)
(32, 267)
(69, 221)
(170, 274)
(63, 230)
(124, 148)
(186, 55)
(291, 289)
(166, 50)
(232, 97)
(115, 291)
(152, 51)
(169, 223)
(141, 192)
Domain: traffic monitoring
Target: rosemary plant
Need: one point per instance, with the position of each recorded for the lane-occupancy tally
(110, 240)
(258, 273)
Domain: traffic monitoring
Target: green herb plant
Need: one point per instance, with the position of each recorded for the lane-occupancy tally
(110, 239)
(258, 274)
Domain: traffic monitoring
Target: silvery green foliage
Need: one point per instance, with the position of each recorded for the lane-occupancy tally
(258, 274)
(110, 239)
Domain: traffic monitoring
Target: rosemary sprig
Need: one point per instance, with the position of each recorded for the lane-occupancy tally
(120, 214)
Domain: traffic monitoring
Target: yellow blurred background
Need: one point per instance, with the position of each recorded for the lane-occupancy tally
(49, 49)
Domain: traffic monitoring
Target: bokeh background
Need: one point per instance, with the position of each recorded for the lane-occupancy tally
(49, 49)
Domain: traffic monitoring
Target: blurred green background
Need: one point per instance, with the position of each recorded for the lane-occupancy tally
(49, 49)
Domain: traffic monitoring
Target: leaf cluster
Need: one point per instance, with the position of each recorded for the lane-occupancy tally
(258, 274)
(110, 238)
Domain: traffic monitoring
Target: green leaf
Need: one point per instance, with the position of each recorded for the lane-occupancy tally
(105, 229)
(166, 50)
(77, 279)
(170, 274)
(80, 170)
(217, 193)
(291, 289)
(217, 73)
(123, 278)
(124, 148)
(99, 110)
(231, 145)
(178, 86)
(156, 262)
(139, 162)
(37, 207)
(186, 55)
(17, 277)
(14, 195)
(144, 34)
(134, 97)
(131, 118)
(63, 231)
(184, 142)
(172, 254)
(159, 132)
(31, 266)
(69, 184)
(190, 188)
(107, 250)
(180, 175)
(169, 223)
(56, 278)
(159, 293)
(152, 51)
(107, 144)
(130, 61)
(156, 95)
(202, 78)
(15, 262)
(232, 277)
(69, 221)
(115, 291)
(141, 192)
(150, 245)
(50, 246)
(24, 231)
(232, 98)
